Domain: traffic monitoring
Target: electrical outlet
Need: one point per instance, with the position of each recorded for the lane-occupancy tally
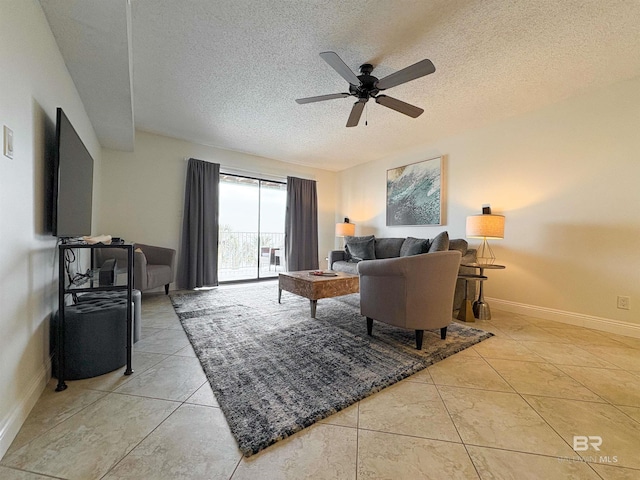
(623, 302)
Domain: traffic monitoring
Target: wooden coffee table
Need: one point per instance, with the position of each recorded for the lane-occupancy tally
(316, 287)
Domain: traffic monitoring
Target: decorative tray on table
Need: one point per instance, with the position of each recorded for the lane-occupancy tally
(320, 273)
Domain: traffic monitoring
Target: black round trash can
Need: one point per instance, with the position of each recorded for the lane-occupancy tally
(95, 338)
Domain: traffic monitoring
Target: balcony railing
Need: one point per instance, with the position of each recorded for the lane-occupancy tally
(241, 253)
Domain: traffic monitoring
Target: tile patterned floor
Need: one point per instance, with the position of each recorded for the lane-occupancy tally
(506, 408)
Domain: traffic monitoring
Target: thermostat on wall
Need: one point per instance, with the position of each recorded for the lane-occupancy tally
(8, 142)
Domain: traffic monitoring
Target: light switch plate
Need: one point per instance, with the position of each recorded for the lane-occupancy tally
(8, 142)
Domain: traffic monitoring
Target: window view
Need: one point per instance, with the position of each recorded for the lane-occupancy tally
(251, 236)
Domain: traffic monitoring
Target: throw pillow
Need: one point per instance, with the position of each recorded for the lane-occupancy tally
(348, 239)
(361, 250)
(414, 246)
(459, 244)
(440, 243)
(388, 247)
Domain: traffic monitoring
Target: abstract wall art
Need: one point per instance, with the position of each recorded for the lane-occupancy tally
(414, 194)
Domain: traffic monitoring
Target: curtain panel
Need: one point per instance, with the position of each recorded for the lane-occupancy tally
(301, 225)
(198, 266)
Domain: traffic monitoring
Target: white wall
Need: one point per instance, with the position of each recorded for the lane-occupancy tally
(143, 190)
(566, 178)
(33, 82)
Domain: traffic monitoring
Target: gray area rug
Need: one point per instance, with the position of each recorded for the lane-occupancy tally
(274, 370)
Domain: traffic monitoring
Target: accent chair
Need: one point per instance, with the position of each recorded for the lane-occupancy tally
(414, 292)
(152, 266)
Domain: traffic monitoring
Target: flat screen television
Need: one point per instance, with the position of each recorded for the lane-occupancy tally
(72, 186)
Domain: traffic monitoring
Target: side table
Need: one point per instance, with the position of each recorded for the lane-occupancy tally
(465, 313)
(481, 308)
(92, 284)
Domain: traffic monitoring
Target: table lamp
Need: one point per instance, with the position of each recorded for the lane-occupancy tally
(485, 226)
(345, 229)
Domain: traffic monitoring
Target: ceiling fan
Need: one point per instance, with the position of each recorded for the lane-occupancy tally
(366, 86)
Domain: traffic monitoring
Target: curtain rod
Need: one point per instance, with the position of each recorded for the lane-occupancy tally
(261, 175)
(247, 173)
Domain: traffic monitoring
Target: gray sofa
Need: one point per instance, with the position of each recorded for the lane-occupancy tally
(372, 248)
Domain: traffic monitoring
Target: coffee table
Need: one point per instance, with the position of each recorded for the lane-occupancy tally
(316, 287)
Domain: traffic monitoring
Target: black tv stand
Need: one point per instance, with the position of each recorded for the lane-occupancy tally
(91, 284)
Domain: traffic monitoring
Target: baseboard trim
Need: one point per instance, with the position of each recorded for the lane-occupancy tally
(11, 424)
(571, 318)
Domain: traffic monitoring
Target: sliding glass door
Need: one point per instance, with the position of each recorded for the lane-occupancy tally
(252, 214)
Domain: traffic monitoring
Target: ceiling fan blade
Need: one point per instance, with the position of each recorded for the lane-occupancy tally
(321, 98)
(399, 106)
(339, 66)
(356, 112)
(417, 70)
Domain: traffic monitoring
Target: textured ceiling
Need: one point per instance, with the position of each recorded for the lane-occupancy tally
(226, 73)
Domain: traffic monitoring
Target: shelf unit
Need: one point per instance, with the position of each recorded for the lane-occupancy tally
(90, 285)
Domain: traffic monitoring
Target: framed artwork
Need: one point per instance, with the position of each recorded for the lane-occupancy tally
(414, 194)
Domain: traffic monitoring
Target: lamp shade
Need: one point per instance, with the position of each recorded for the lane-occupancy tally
(485, 226)
(345, 229)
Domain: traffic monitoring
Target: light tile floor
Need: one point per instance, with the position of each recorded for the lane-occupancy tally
(508, 407)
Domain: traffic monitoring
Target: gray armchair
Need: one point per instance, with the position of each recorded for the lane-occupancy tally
(152, 266)
(414, 292)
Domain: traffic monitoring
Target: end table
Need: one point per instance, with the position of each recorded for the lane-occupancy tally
(465, 313)
(481, 308)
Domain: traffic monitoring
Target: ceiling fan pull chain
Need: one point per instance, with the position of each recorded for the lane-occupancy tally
(366, 115)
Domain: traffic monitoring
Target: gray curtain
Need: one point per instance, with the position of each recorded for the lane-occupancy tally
(198, 265)
(301, 225)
